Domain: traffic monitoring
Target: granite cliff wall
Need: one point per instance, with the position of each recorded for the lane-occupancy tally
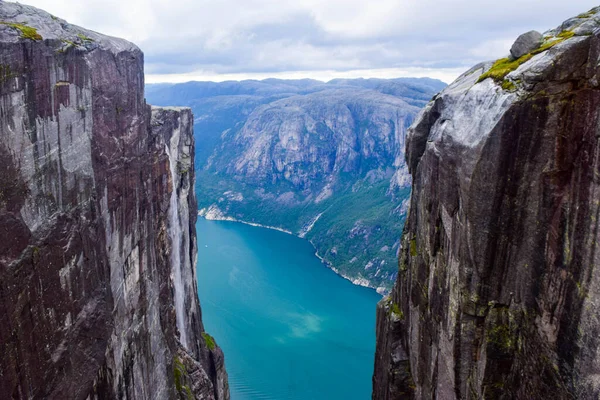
(98, 291)
(499, 283)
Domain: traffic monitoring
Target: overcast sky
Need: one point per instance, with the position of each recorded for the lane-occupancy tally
(238, 39)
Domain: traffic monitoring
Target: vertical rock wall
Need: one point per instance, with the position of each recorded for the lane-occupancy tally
(499, 283)
(88, 280)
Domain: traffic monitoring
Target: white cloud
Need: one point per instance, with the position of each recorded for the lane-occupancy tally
(444, 74)
(313, 37)
(491, 49)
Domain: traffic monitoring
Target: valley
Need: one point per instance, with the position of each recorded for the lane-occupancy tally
(324, 161)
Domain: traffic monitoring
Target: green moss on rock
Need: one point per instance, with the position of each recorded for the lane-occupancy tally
(503, 67)
(181, 377)
(210, 341)
(6, 73)
(84, 38)
(27, 32)
(508, 85)
(413, 248)
(586, 15)
(502, 337)
(566, 34)
(396, 311)
(179, 372)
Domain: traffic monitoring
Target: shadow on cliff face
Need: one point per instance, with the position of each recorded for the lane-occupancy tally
(536, 260)
(13, 192)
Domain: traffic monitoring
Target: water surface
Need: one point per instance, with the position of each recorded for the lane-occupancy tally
(290, 328)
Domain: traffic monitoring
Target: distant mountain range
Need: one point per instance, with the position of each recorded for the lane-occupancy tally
(324, 161)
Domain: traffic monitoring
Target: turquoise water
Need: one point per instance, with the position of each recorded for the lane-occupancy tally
(290, 328)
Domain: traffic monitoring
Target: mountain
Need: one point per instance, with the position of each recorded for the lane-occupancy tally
(497, 295)
(98, 296)
(324, 161)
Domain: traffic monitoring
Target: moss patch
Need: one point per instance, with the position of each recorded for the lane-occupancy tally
(508, 85)
(179, 372)
(503, 67)
(566, 34)
(546, 45)
(27, 32)
(181, 168)
(413, 248)
(210, 341)
(501, 337)
(551, 42)
(397, 311)
(84, 38)
(180, 376)
(588, 14)
(6, 73)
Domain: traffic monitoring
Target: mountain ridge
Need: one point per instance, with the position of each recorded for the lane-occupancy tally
(295, 160)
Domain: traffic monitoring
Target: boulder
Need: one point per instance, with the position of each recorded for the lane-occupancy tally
(526, 43)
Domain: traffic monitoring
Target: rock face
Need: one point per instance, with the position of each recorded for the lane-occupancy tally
(526, 43)
(499, 283)
(98, 294)
(325, 162)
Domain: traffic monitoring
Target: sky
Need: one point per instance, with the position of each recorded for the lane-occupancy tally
(219, 40)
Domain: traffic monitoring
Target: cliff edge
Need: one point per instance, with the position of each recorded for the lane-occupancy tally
(98, 295)
(499, 283)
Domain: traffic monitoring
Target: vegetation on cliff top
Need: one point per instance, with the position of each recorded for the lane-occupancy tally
(27, 32)
(504, 66)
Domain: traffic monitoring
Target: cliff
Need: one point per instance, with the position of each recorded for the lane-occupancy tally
(98, 293)
(499, 278)
(324, 161)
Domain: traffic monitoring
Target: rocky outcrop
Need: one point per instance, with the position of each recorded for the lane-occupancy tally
(97, 211)
(526, 43)
(307, 142)
(499, 285)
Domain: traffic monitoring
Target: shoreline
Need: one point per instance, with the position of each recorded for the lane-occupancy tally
(211, 214)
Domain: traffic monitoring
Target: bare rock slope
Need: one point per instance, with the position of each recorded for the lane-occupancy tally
(97, 211)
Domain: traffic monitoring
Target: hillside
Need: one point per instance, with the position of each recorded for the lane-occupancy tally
(324, 161)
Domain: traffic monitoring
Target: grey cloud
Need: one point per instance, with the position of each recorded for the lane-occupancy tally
(245, 36)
